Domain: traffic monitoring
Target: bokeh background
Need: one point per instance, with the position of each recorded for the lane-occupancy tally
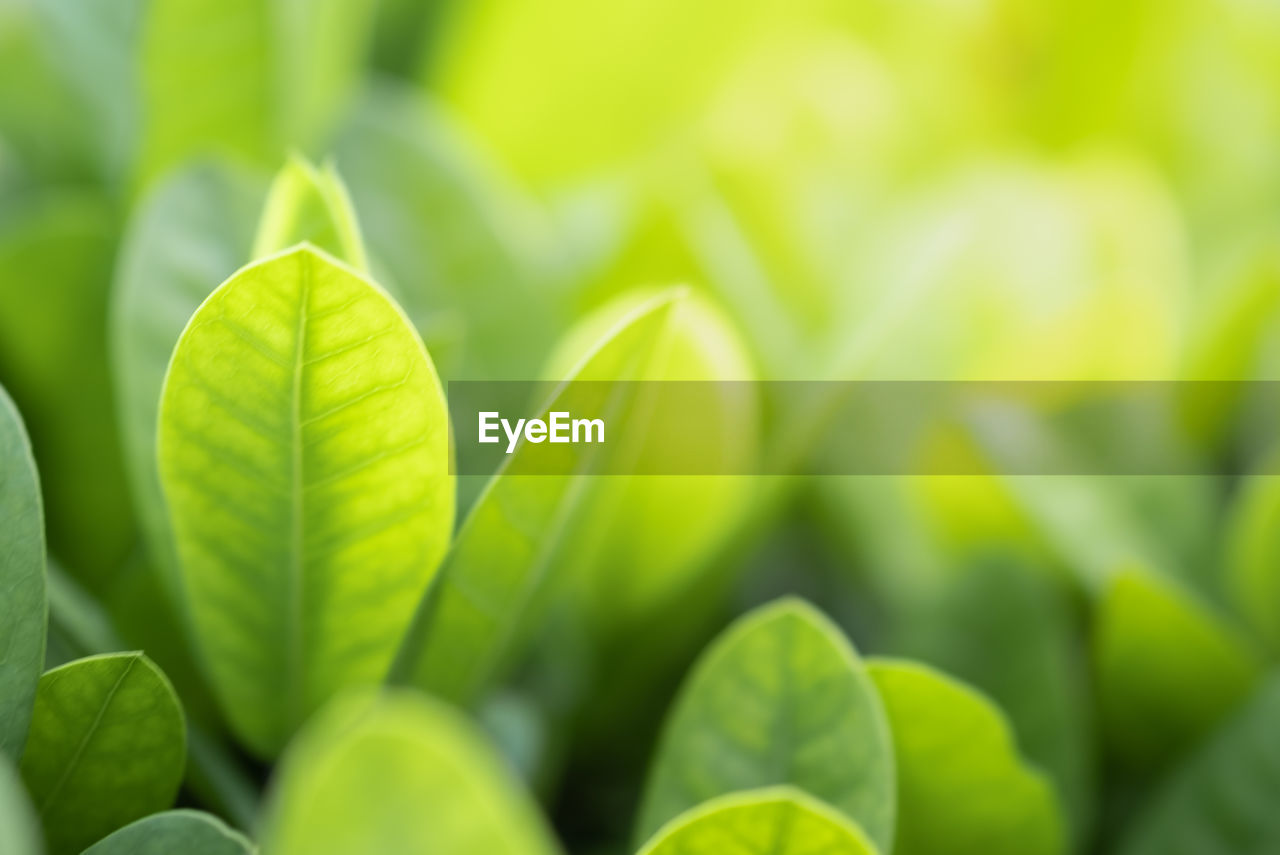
(888, 189)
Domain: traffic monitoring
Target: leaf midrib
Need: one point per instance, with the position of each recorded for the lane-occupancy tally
(74, 762)
(295, 641)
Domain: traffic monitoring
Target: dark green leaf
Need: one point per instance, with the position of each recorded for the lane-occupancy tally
(177, 832)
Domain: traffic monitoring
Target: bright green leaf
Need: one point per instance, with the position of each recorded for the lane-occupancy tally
(176, 832)
(497, 570)
(303, 448)
(961, 785)
(1168, 669)
(107, 746)
(250, 78)
(398, 774)
(19, 825)
(22, 579)
(773, 821)
(780, 698)
(1223, 798)
(310, 204)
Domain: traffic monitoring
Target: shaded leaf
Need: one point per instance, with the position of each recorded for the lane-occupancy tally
(961, 785)
(19, 825)
(187, 832)
(1168, 669)
(398, 774)
(780, 698)
(22, 581)
(310, 204)
(303, 447)
(107, 746)
(774, 821)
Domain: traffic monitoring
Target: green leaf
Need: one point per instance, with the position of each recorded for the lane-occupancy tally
(303, 449)
(191, 232)
(961, 785)
(773, 821)
(107, 746)
(53, 362)
(398, 774)
(1168, 669)
(1253, 547)
(494, 577)
(249, 78)
(780, 698)
(1222, 800)
(187, 832)
(19, 825)
(22, 579)
(466, 253)
(310, 204)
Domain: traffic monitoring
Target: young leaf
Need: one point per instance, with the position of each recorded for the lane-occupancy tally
(961, 785)
(187, 832)
(22, 579)
(398, 774)
(780, 698)
(773, 821)
(490, 583)
(244, 77)
(1168, 669)
(303, 450)
(19, 826)
(190, 233)
(310, 204)
(107, 746)
(1222, 799)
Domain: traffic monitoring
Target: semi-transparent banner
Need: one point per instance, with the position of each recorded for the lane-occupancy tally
(859, 428)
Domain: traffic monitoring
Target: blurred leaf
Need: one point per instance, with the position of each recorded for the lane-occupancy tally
(1004, 628)
(780, 698)
(398, 774)
(107, 746)
(55, 260)
(773, 821)
(306, 203)
(281, 491)
(961, 785)
(246, 78)
(187, 832)
(495, 577)
(190, 233)
(22, 579)
(465, 253)
(1168, 669)
(19, 825)
(78, 626)
(1222, 799)
(1253, 556)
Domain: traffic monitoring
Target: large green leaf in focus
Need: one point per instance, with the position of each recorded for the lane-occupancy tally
(961, 785)
(191, 232)
(1222, 800)
(247, 78)
(398, 774)
(465, 252)
(177, 832)
(780, 698)
(1168, 669)
(19, 826)
(22, 579)
(773, 821)
(56, 251)
(498, 571)
(303, 448)
(107, 746)
(1253, 556)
